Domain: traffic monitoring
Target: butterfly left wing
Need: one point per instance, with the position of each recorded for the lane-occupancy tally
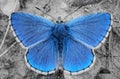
(35, 32)
(89, 29)
(77, 57)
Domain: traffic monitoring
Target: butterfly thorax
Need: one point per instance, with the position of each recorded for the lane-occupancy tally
(59, 32)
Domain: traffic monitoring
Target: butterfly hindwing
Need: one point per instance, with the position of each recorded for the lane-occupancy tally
(43, 55)
(30, 28)
(76, 56)
(89, 29)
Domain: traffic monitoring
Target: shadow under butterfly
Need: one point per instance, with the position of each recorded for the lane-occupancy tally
(68, 46)
(104, 71)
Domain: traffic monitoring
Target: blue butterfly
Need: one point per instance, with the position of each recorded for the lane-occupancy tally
(67, 45)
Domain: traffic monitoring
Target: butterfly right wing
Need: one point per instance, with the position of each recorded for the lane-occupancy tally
(30, 28)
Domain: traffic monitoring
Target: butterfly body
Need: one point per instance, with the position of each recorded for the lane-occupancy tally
(59, 33)
(68, 45)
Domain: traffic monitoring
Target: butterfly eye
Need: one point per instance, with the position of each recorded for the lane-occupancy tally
(61, 21)
(57, 21)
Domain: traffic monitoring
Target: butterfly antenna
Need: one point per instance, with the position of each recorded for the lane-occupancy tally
(72, 12)
(3, 40)
(45, 13)
(7, 49)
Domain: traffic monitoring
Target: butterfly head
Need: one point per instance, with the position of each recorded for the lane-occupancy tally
(59, 20)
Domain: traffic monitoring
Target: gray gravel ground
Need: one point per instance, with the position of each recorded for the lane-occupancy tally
(107, 65)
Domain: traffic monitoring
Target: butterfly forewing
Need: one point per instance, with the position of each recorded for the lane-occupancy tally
(90, 29)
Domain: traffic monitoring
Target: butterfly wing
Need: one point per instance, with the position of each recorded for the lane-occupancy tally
(89, 29)
(77, 56)
(30, 28)
(35, 30)
(42, 56)
(84, 31)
